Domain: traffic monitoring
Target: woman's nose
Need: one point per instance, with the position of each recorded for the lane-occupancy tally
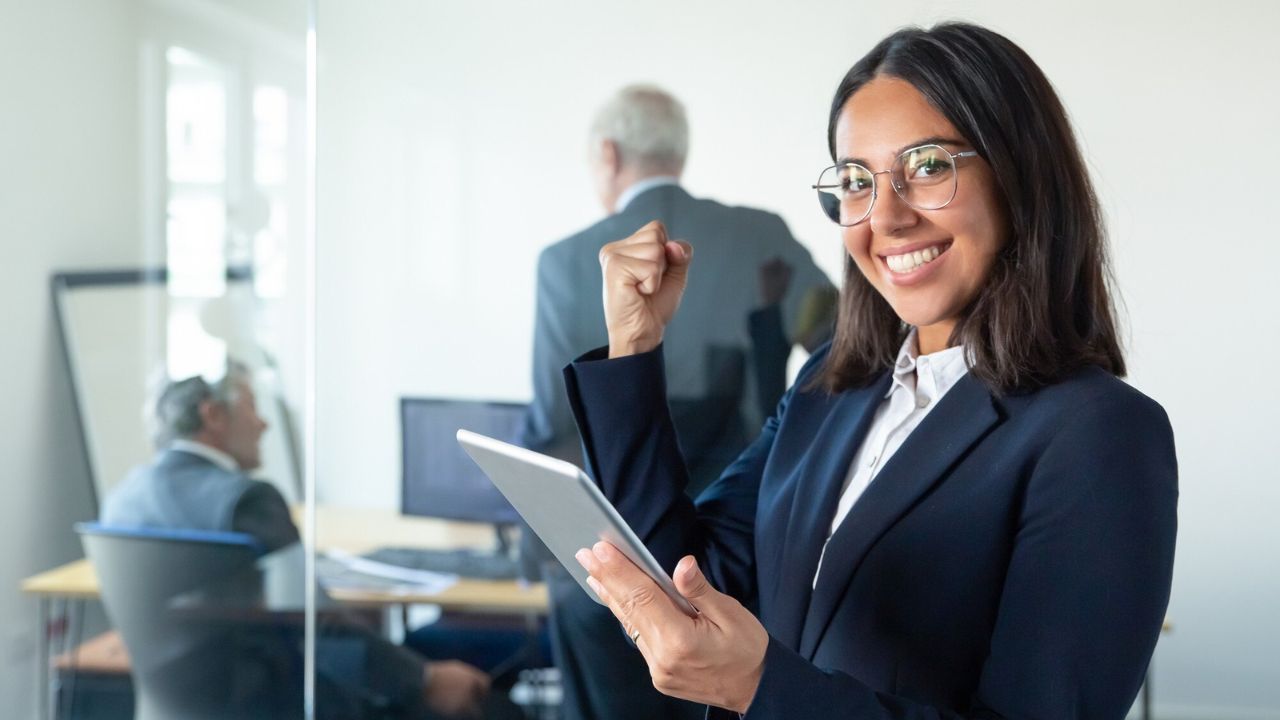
(890, 214)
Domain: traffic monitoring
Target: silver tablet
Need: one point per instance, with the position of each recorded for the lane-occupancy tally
(564, 507)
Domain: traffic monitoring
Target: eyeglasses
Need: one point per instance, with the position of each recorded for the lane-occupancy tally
(924, 177)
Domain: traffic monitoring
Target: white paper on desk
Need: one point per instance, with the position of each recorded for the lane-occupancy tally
(356, 573)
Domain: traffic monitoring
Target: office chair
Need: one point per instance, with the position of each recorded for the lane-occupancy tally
(184, 663)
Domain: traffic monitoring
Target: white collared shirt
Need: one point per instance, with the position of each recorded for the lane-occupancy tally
(625, 198)
(212, 454)
(919, 382)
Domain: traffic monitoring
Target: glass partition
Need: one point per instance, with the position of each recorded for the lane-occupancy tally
(183, 344)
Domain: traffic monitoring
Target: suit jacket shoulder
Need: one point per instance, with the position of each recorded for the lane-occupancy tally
(183, 491)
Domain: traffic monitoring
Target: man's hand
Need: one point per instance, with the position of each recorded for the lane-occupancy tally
(644, 277)
(716, 658)
(455, 689)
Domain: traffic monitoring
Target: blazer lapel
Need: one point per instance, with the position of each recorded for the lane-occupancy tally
(963, 416)
(821, 477)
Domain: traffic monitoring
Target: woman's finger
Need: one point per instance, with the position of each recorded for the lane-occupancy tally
(636, 600)
(646, 263)
(637, 637)
(645, 275)
(649, 248)
(652, 231)
(600, 591)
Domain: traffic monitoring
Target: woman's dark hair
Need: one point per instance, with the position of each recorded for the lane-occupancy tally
(1045, 309)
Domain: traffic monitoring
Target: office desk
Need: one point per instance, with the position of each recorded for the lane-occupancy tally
(348, 529)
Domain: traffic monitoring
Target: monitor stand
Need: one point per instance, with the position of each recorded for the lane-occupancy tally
(506, 537)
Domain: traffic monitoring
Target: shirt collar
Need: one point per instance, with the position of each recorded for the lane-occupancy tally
(649, 183)
(937, 371)
(212, 454)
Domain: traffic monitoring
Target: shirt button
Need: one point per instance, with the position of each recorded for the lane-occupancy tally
(872, 461)
(922, 402)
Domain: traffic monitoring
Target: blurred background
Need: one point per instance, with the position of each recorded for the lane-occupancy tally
(154, 172)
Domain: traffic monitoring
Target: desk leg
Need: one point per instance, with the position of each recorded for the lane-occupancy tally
(65, 686)
(59, 615)
(42, 669)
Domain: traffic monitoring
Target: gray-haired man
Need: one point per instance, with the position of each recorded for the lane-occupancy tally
(208, 436)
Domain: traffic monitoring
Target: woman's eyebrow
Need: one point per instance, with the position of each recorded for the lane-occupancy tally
(932, 140)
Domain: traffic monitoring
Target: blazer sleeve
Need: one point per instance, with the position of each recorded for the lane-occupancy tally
(631, 451)
(1085, 593)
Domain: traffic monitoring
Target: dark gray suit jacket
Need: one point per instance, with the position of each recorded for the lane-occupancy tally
(182, 490)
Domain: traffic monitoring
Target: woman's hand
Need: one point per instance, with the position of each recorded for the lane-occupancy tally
(716, 658)
(644, 277)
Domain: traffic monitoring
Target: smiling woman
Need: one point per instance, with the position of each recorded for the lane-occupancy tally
(1026, 287)
(958, 510)
(960, 237)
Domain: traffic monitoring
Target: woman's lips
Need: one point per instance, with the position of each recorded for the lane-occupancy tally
(908, 265)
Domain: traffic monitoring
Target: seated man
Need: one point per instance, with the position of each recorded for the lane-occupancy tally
(208, 435)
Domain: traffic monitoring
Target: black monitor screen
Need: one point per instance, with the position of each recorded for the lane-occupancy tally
(439, 479)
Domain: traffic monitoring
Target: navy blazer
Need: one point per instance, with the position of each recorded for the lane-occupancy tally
(1011, 560)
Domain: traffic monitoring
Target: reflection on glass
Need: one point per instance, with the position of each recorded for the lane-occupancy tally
(195, 115)
(195, 235)
(196, 128)
(271, 153)
(271, 135)
(191, 349)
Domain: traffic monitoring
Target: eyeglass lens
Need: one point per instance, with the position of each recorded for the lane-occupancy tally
(924, 177)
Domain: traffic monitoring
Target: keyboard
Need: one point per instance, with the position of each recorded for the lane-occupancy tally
(467, 563)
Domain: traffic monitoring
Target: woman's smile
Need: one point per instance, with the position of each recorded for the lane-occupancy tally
(913, 264)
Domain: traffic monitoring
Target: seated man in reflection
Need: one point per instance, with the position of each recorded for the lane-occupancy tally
(725, 354)
(208, 435)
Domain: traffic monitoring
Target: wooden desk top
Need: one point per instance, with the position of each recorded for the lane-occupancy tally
(358, 531)
(77, 579)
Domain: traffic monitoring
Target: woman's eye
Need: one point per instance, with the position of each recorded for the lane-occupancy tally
(930, 167)
(856, 184)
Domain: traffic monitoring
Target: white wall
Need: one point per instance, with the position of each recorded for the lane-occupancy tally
(452, 147)
(69, 199)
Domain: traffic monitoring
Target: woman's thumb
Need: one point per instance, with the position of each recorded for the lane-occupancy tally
(679, 252)
(690, 581)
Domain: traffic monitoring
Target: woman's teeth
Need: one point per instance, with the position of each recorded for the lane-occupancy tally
(907, 262)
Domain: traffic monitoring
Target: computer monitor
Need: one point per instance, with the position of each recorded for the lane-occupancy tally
(438, 479)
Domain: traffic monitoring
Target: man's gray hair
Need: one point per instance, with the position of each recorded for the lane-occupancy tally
(177, 407)
(649, 127)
